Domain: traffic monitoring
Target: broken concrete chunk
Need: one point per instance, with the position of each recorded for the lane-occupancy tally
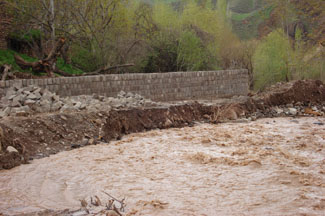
(11, 149)
(66, 107)
(20, 111)
(121, 94)
(129, 95)
(17, 98)
(38, 95)
(47, 96)
(11, 96)
(10, 91)
(55, 98)
(26, 92)
(293, 111)
(77, 105)
(29, 102)
(37, 91)
(95, 96)
(63, 117)
(17, 86)
(32, 96)
(56, 106)
(83, 106)
(15, 104)
(278, 110)
(45, 106)
(5, 112)
(20, 91)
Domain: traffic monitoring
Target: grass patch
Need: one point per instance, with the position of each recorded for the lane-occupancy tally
(67, 67)
(7, 57)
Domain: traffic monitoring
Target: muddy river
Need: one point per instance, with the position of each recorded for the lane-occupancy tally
(266, 167)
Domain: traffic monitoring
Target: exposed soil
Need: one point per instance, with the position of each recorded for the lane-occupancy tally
(40, 135)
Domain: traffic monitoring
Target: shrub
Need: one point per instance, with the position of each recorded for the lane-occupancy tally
(191, 54)
(271, 60)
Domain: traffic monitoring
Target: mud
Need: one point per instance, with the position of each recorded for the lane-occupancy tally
(304, 91)
(44, 134)
(272, 166)
(266, 167)
(39, 136)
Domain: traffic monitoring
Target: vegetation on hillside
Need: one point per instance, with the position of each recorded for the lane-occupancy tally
(275, 40)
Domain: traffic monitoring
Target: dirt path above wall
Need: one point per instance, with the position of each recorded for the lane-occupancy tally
(36, 136)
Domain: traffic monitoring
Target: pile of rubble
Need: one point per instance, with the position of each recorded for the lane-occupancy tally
(32, 99)
(96, 102)
(297, 109)
(297, 98)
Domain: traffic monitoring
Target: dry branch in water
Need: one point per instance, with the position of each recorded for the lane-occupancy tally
(122, 203)
(109, 207)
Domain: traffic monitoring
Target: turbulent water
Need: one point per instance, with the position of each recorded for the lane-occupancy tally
(270, 167)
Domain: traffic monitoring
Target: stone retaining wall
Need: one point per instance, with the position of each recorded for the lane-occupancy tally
(156, 86)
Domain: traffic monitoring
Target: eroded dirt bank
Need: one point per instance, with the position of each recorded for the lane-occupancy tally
(264, 167)
(40, 135)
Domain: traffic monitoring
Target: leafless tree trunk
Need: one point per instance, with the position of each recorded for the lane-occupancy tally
(52, 17)
(6, 69)
(48, 64)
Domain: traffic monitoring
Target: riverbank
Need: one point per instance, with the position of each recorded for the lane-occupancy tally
(40, 134)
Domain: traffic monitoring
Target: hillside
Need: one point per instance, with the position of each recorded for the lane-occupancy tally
(245, 15)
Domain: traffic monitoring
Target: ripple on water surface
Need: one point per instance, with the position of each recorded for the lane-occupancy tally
(271, 166)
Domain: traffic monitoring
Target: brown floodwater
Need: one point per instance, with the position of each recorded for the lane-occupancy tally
(270, 167)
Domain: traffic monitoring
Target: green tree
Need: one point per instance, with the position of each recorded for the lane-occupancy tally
(191, 55)
(223, 8)
(271, 60)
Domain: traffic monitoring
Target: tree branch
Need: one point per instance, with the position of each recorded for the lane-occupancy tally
(107, 68)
